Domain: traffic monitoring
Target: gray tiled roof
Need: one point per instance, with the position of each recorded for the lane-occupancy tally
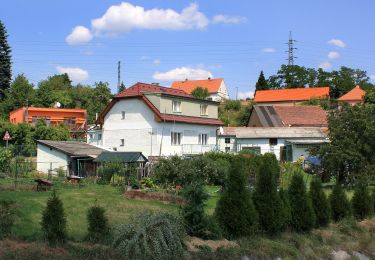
(73, 148)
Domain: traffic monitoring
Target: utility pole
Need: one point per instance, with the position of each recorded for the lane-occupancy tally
(118, 76)
(290, 50)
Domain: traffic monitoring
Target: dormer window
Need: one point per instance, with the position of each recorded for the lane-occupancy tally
(176, 106)
(204, 110)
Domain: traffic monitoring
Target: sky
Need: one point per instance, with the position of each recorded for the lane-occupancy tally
(162, 41)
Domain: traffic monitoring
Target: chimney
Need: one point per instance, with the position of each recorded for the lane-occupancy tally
(209, 78)
(186, 79)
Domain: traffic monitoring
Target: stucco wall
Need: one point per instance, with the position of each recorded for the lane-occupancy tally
(49, 158)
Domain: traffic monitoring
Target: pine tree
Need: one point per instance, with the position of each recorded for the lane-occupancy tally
(261, 83)
(266, 198)
(320, 203)
(54, 221)
(285, 212)
(340, 205)
(192, 211)
(98, 228)
(235, 211)
(302, 212)
(5, 61)
(362, 203)
(121, 87)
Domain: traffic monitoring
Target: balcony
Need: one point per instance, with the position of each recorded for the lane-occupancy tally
(198, 148)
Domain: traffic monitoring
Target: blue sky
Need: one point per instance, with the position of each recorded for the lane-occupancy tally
(160, 41)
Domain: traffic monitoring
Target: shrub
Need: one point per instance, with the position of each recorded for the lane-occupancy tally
(147, 183)
(320, 203)
(340, 205)
(362, 204)
(291, 169)
(61, 172)
(195, 220)
(232, 105)
(150, 236)
(5, 159)
(98, 229)
(266, 198)
(54, 221)
(302, 213)
(7, 217)
(235, 211)
(285, 209)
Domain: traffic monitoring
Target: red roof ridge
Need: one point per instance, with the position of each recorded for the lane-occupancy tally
(355, 94)
(211, 84)
(291, 94)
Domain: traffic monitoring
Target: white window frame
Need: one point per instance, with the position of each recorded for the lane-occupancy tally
(122, 142)
(176, 138)
(203, 139)
(205, 108)
(123, 115)
(176, 108)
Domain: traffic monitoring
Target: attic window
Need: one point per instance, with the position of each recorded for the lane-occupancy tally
(204, 110)
(176, 106)
(273, 141)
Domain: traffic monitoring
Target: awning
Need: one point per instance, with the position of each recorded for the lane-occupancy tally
(308, 141)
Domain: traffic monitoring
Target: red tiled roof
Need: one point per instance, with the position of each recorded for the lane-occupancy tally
(302, 115)
(292, 94)
(212, 85)
(356, 94)
(137, 90)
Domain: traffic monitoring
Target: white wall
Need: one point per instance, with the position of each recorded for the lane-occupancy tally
(93, 137)
(141, 132)
(49, 157)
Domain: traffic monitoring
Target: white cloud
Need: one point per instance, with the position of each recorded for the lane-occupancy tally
(221, 18)
(245, 94)
(337, 43)
(333, 55)
(79, 35)
(325, 65)
(144, 58)
(76, 74)
(125, 17)
(183, 73)
(269, 50)
(156, 62)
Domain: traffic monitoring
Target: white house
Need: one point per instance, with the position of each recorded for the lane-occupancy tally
(216, 87)
(158, 121)
(287, 143)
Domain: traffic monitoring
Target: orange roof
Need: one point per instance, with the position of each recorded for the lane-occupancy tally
(291, 94)
(212, 85)
(356, 94)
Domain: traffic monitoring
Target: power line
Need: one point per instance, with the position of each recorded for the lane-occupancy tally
(291, 56)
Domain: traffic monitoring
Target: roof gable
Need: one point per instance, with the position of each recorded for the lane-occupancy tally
(212, 85)
(292, 94)
(356, 94)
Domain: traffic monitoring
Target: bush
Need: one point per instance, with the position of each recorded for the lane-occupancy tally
(150, 236)
(285, 210)
(7, 217)
(340, 205)
(291, 169)
(232, 105)
(302, 213)
(320, 203)
(196, 222)
(147, 183)
(98, 229)
(266, 198)
(235, 211)
(54, 221)
(5, 159)
(362, 204)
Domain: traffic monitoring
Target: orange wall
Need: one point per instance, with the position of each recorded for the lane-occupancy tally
(56, 115)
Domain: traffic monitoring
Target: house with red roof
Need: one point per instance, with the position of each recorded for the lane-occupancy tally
(158, 121)
(287, 116)
(354, 96)
(291, 96)
(216, 87)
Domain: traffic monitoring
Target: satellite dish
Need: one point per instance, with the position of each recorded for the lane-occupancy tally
(57, 104)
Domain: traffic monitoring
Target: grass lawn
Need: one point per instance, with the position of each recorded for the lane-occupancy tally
(76, 202)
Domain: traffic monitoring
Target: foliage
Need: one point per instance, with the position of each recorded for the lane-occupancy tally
(362, 204)
(98, 229)
(350, 153)
(54, 220)
(370, 96)
(340, 205)
(150, 236)
(5, 159)
(262, 83)
(232, 105)
(285, 214)
(5, 61)
(320, 203)
(235, 211)
(147, 183)
(266, 198)
(302, 212)
(291, 169)
(244, 116)
(200, 92)
(7, 217)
